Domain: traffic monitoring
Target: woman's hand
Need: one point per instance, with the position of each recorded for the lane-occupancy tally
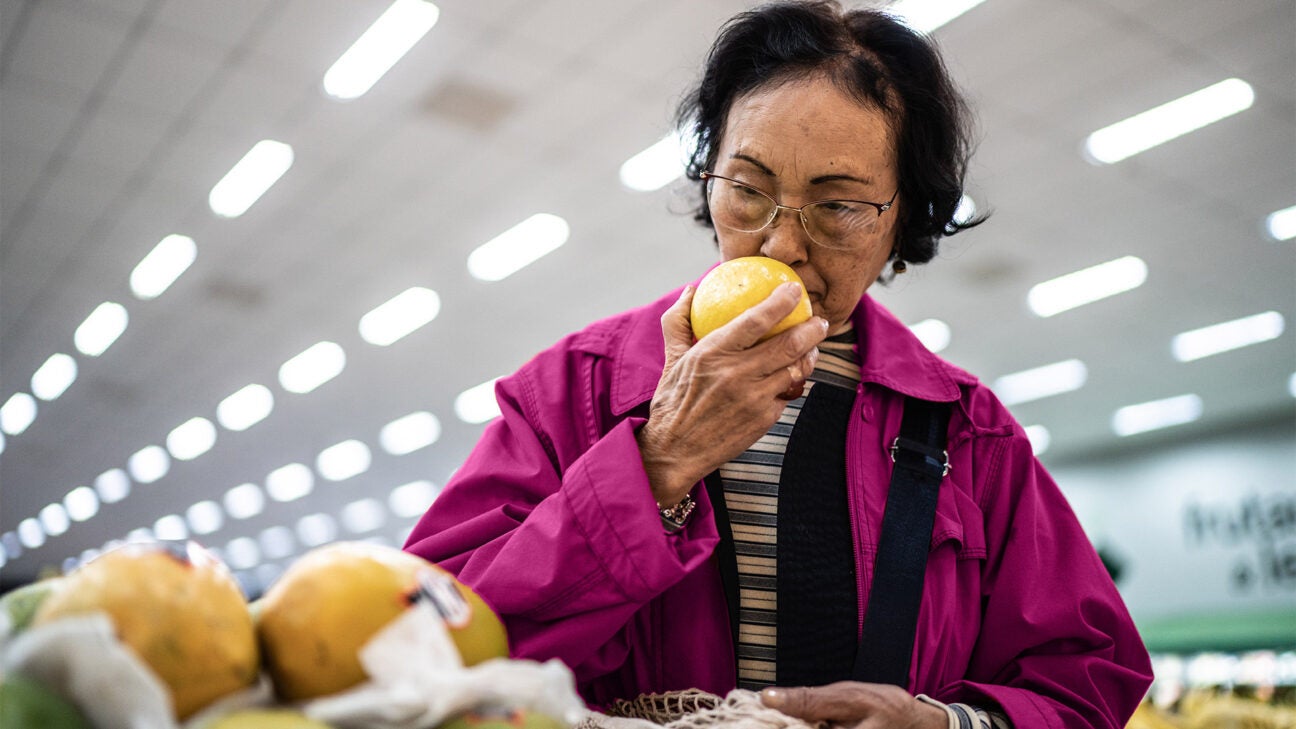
(856, 705)
(719, 396)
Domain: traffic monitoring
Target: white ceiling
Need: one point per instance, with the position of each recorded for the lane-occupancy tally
(118, 116)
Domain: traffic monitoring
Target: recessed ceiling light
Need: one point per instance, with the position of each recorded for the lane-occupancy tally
(276, 542)
(148, 464)
(171, 527)
(1227, 336)
(933, 333)
(290, 482)
(54, 519)
(343, 460)
(390, 37)
(400, 315)
(1281, 224)
(1086, 286)
(205, 517)
(656, 166)
(316, 365)
(477, 404)
(364, 515)
(191, 439)
(82, 503)
(1040, 438)
(112, 485)
(316, 529)
(99, 330)
(1040, 382)
(1156, 414)
(928, 15)
(162, 266)
(410, 433)
(1168, 121)
(412, 499)
(18, 413)
(1291, 384)
(54, 377)
(242, 553)
(250, 178)
(518, 247)
(30, 533)
(245, 408)
(244, 501)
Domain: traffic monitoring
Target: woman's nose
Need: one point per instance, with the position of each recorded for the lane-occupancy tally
(786, 239)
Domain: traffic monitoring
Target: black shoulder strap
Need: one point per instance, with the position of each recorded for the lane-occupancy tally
(886, 643)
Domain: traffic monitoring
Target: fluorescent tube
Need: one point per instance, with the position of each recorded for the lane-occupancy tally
(162, 266)
(390, 37)
(343, 460)
(517, 247)
(312, 368)
(477, 404)
(191, 439)
(933, 333)
(99, 330)
(656, 166)
(1156, 414)
(400, 315)
(1281, 224)
(245, 408)
(410, 433)
(54, 377)
(1040, 382)
(290, 482)
(1227, 336)
(250, 178)
(1170, 120)
(1087, 286)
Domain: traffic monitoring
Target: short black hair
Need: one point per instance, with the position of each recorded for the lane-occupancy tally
(870, 55)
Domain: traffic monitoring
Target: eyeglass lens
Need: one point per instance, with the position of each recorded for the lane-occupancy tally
(747, 210)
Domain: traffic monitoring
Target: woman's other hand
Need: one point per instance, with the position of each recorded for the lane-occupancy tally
(718, 396)
(856, 705)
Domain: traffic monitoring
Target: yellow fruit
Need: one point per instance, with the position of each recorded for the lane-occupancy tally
(178, 608)
(739, 284)
(501, 718)
(265, 719)
(314, 620)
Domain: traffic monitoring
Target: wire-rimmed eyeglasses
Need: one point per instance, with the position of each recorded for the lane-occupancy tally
(838, 224)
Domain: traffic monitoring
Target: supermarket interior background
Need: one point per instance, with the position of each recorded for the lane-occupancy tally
(267, 365)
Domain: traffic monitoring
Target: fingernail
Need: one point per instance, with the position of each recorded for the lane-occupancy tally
(824, 323)
(772, 698)
(792, 288)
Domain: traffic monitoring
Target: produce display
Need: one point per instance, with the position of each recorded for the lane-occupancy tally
(739, 284)
(226, 664)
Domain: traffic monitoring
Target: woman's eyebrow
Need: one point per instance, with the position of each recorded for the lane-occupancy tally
(822, 179)
(754, 161)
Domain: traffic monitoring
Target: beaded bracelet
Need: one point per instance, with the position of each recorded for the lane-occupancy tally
(673, 517)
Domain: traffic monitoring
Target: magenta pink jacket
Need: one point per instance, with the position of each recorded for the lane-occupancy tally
(551, 520)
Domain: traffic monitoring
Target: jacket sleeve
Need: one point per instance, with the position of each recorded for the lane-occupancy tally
(1057, 647)
(554, 525)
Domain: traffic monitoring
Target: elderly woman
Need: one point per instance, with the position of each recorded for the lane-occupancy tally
(663, 514)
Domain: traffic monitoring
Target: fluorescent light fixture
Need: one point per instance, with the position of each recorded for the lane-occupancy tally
(656, 166)
(112, 485)
(205, 517)
(99, 330)
(1157, 414)
(1281, 224)
(1041, 382)
(390, 37)
(290, 482)
(1039, 437)
(276, 542)
(410, 433)
(318, 364)
(1227, 336)
(191, 439)
(477, 404)
(162, 266)
(81, 503)
(364, 515)
(148, 464)
(140, 534)
(926, 16)
(1168, 121)
(343, 460)
(244, 501)
(2, 441)
(1086, 286)
(30, 533)
(54, 377)
(242, 553)
(1291, 385)
(18, 413)
(933, 333)
(54, 519)
(316, 529)
(412, 499)
(399, 316)
(245, 408)
(517, 247)
(250, 177)
(172, 527)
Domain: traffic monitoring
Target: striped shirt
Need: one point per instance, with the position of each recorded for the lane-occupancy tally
(751, 485)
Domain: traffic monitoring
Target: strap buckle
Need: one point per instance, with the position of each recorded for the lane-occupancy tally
(928, 454)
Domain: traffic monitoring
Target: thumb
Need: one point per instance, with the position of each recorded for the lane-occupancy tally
(677, 328)
(793, 701)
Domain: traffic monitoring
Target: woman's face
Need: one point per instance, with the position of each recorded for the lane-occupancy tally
(802, 142)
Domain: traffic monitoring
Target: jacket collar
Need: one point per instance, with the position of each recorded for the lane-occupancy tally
(890, 356)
